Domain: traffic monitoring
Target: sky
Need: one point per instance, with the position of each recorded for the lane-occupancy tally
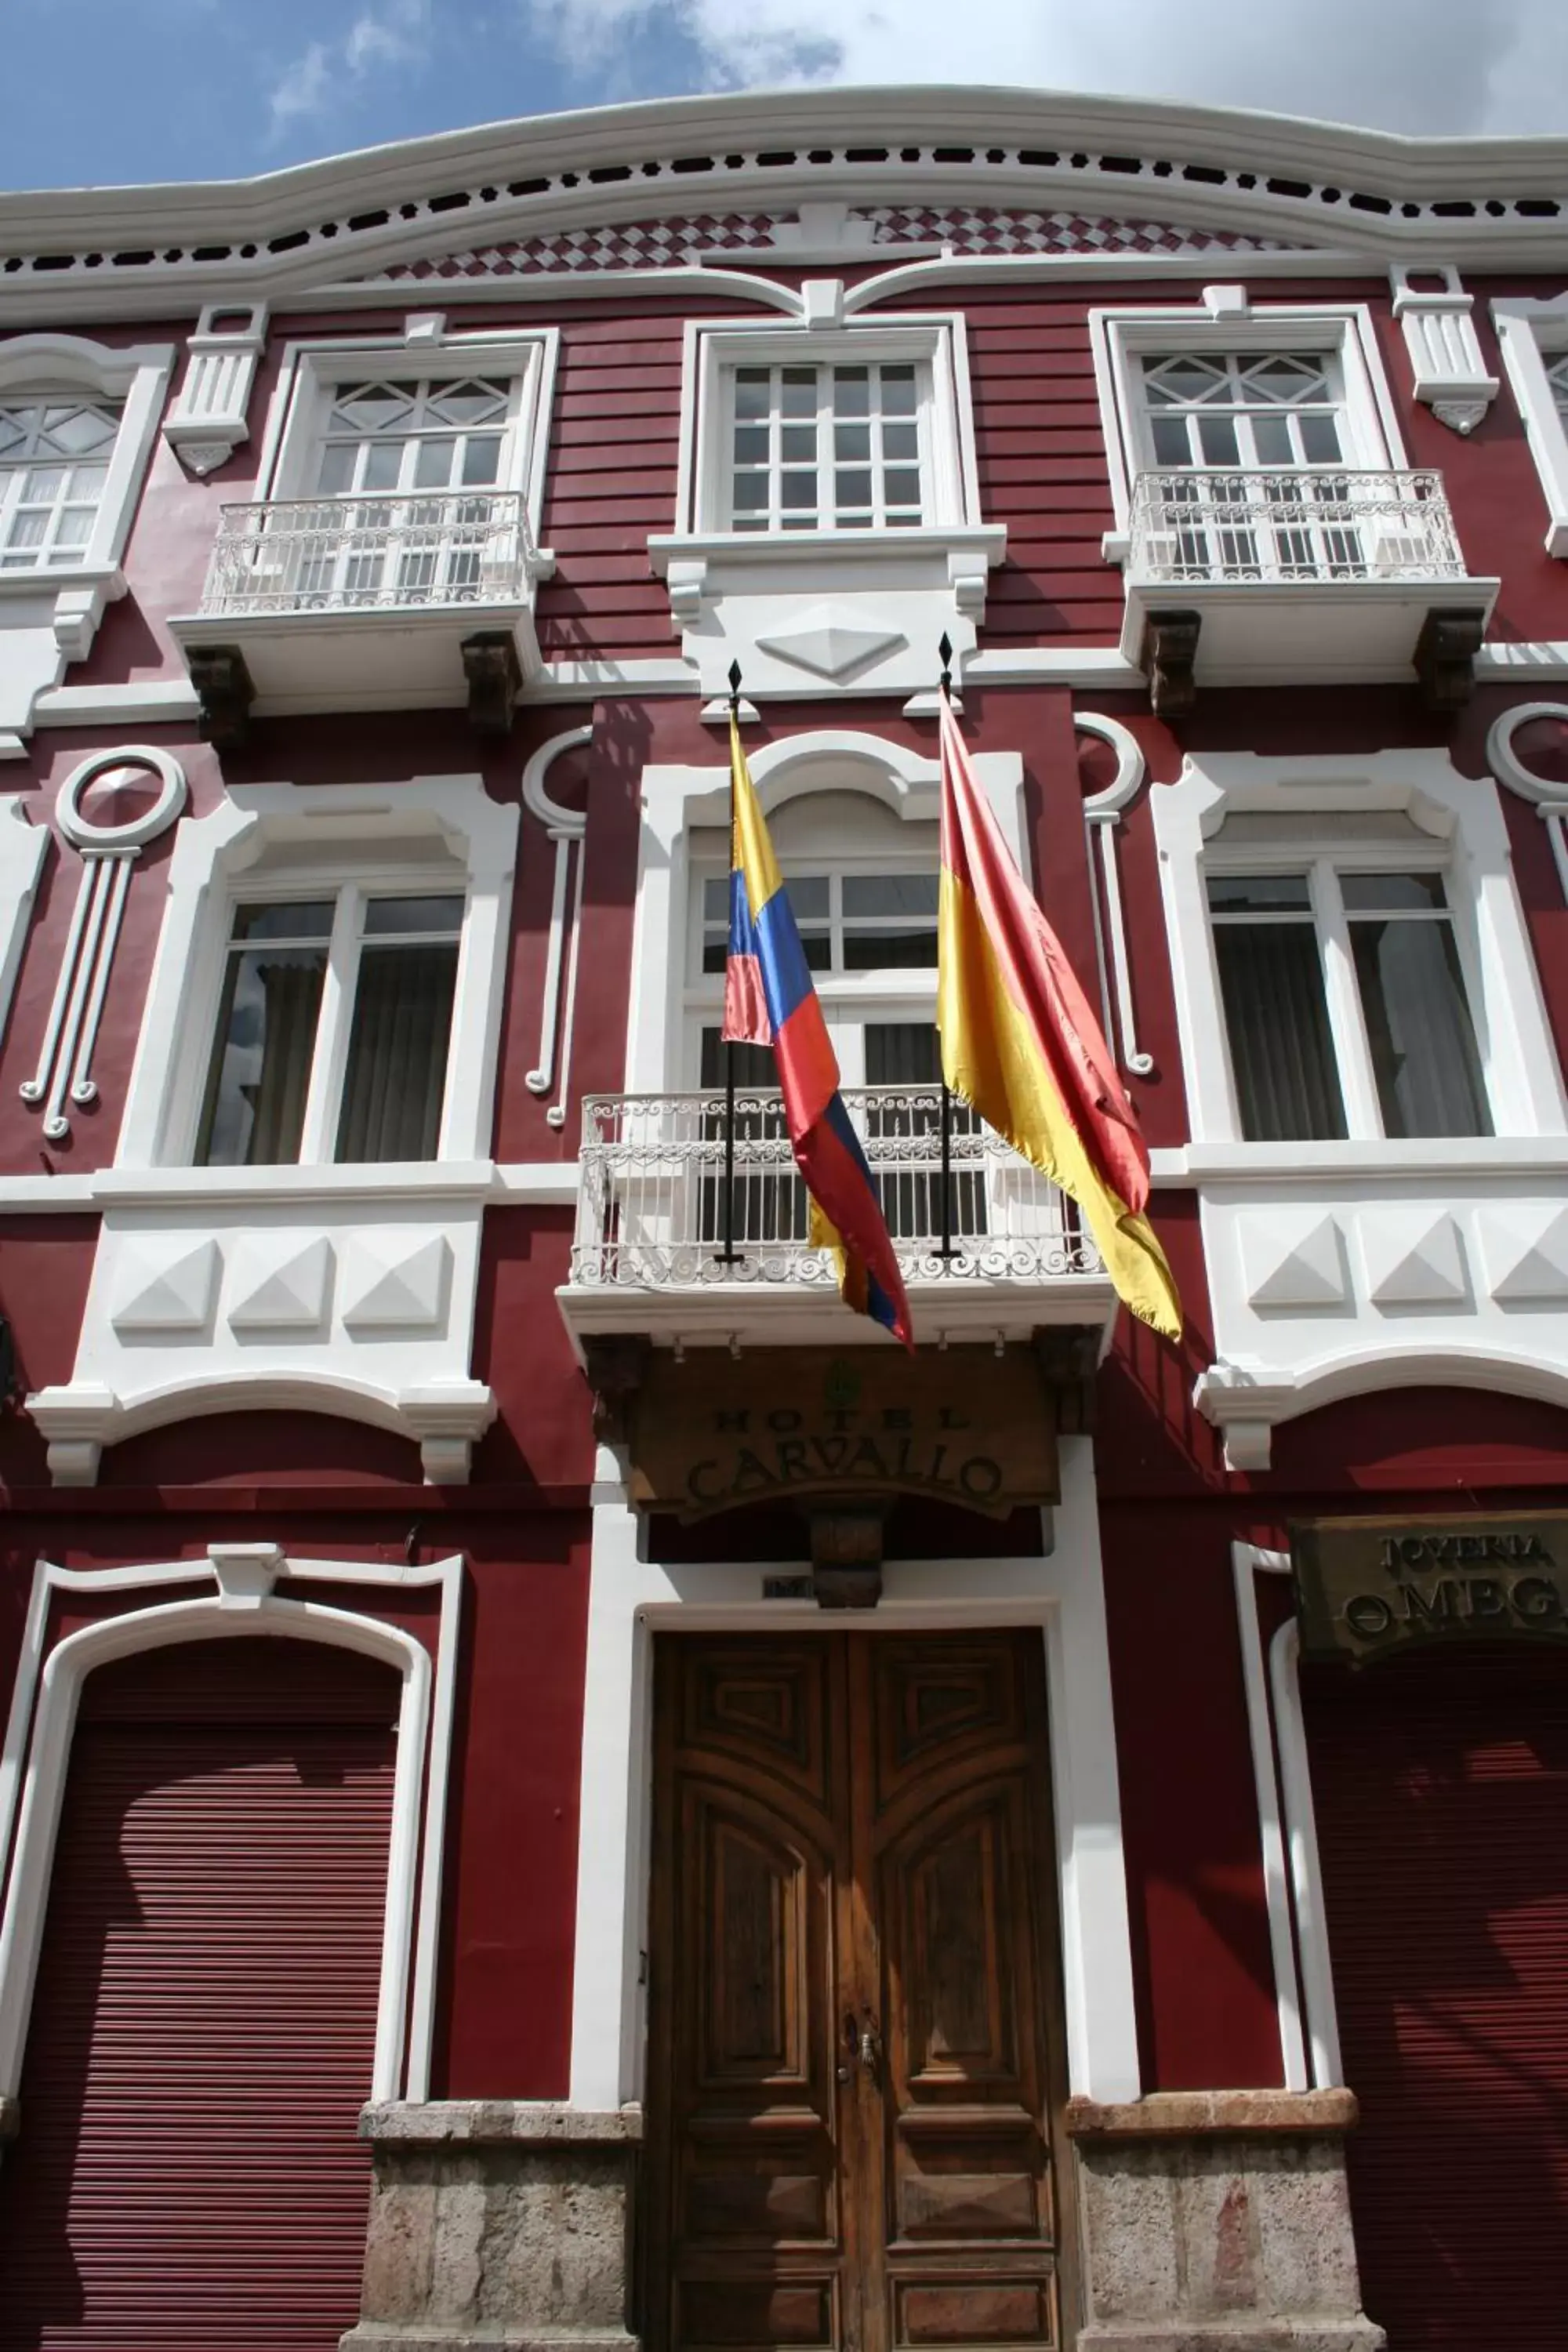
(102, 93)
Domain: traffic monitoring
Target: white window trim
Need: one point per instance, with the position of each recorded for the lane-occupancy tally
(1464, 818)
(206, 878)
(936, 342)
(36, 1755)
(1061, 1594)
(676, 800)
(310, 370)
(50, 614)
(1526, 330)
(1119, 337)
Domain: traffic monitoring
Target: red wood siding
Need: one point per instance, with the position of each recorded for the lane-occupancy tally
(1441, 1787)
(188, 2172)
(614, 450)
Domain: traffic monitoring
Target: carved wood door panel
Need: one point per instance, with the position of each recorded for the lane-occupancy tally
(854, 2046)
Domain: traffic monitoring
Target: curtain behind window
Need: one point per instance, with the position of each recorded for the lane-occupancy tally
(1277, 1020)
(397, 1076)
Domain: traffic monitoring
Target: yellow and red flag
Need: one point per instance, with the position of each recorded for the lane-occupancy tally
(1020, 1046)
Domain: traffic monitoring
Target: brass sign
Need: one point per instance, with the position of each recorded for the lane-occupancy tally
(1366, 1587)
(966, 1424)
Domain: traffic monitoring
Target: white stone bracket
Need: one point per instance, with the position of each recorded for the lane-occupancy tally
(1450, 375)
(208, 419)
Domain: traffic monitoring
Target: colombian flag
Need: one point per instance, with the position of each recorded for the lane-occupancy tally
(1020, 1044)
(769, 1000)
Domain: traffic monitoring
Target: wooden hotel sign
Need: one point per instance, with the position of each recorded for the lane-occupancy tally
(964, 1424)
(1367, 1588)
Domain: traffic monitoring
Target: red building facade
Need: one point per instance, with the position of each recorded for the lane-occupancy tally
(430, 1686)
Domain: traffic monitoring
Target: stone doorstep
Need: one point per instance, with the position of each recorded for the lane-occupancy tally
(1193, 2115)
(1243, 2334)
(372, 2336)
(497, 2123)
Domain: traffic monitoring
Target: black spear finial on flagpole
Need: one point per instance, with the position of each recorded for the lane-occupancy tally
(945, 651)
(729, 1255)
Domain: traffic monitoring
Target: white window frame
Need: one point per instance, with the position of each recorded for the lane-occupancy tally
(353, 825)
(137, 379)
(849, 1000)
(50, 614)
(1463, 819)
(670, 998)
(1530, 333)
(313, 371)
(935, 344)
(350, 890)
(1226, 321)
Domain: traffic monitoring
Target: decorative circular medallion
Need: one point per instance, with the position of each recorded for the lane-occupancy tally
(1527, 749)
(129, 766)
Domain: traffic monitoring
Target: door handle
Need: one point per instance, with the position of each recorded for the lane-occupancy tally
(869, 2048)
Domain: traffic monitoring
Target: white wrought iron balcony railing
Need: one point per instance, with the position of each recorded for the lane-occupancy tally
(655, 1201)
(1203, 528)
(430, 549)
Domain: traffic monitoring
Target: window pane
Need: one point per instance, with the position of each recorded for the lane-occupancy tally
(851, 392)
(897, 392)
(1171, 444)
(305, 919)
(753, 1064)
(1216, 436)
(716, 898)
(889, 893)
(1277, 1020)
(1392, 894)
(399, 917)
(808, 897)
(254, 1107)
(799, 391)
(1249, 894)
(337, 472)
(397, 1053)
(902, 1053)
(382, 461)
(890, 950)
(750, 391)
(433, 465)
(1418, 1026)
(481, 460)
(1321, 440)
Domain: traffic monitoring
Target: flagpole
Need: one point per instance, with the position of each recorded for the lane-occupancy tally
(945, 1248)
(728, 1254)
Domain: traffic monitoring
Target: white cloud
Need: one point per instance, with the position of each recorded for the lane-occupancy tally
(1412, 66)
(395, 34)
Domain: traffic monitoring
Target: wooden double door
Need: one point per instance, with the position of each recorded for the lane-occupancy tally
(855, 2051)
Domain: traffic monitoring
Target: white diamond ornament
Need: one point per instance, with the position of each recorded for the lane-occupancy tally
(1525, 1251)
(278, 1282)
(1412, 1263)
(395, 1280)
(160, 1290)
(831, 642)
(1293, 1261)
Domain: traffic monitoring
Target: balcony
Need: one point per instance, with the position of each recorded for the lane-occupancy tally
(988, 1248)
(366, 603)
(1238, 577)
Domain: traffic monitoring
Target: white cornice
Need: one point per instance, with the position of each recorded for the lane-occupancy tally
(290, 233)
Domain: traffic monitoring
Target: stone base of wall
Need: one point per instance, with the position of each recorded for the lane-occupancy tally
(1218, 2221)
(496, 2223)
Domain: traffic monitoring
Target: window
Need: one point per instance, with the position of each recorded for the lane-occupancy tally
(847, 921)
(1238, 408)
(424, 435)
(332, 1032)
(826, 447)
(1533, 336)
(1557, 377)
(54, 464)
(1403, 1022)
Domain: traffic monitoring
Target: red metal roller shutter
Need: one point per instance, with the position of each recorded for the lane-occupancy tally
(188, 2173)
(1441, 1790)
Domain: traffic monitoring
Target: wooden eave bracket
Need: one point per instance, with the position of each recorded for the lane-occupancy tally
(1169, 654)
(1069, 1356)
(616, 1366)
(1446, 655)
(225, 691)
(494, 673)
(846, 1552)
